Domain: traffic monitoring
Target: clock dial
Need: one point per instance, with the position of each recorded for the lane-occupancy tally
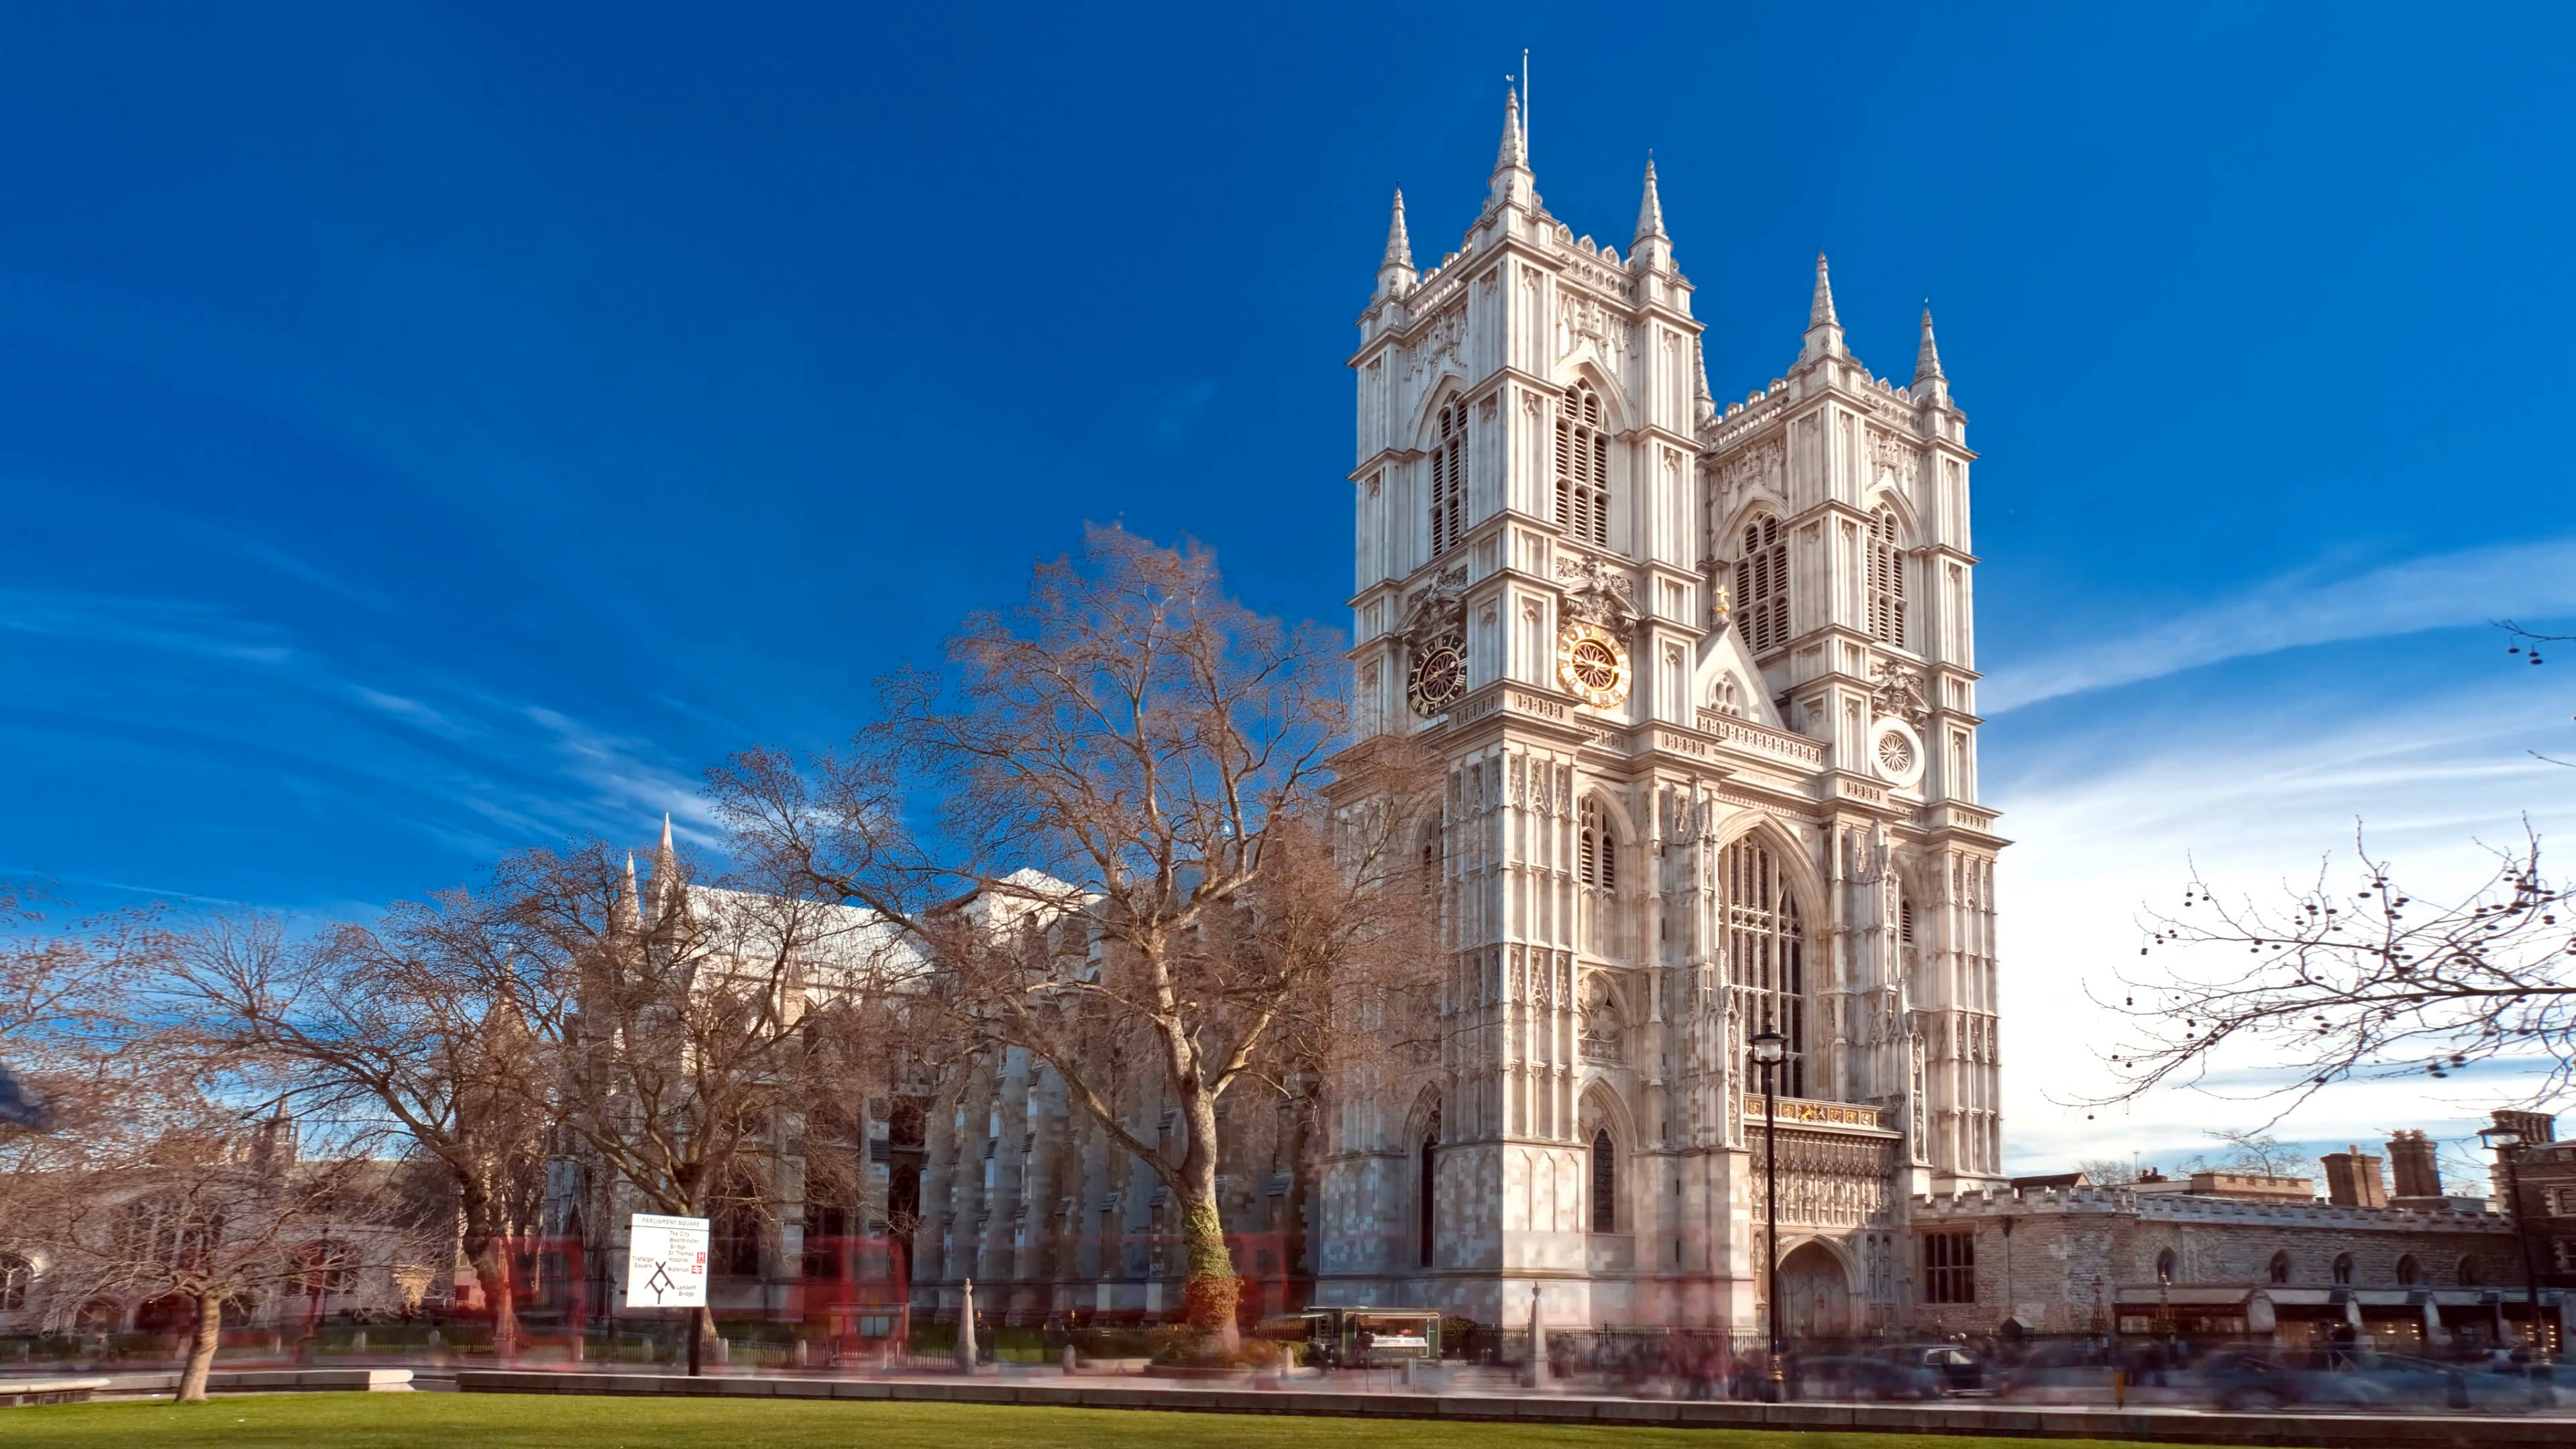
(1592, 664)
(1439, 676)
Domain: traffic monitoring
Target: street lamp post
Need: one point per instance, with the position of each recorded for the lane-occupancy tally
(2507, 1142)
(1770, 1051)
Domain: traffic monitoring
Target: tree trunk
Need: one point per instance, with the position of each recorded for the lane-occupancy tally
(1208, 1299)
(490, 1254)
(201, 1347)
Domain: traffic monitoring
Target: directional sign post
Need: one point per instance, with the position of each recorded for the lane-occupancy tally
(666, 1267)
(666, 1262)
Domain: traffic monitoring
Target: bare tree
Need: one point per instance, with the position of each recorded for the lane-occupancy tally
(420, 1024)
(2107, 1171)
(2526, 645)
(2258, 1153)
(704, 1023)
(2353, 976)
(1106, 822)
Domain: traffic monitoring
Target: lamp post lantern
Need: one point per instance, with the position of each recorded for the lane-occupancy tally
(1770, 1052)
(2507, 1142)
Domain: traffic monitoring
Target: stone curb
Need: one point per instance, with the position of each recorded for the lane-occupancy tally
(2170, 1426)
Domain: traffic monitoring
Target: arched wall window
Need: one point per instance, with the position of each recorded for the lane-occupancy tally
(1766, 950)
(1762, 586)
(2409, 1272)
(1428, 1207)
(2343, 1269)
(1605, 1183)
(1449, 480)
(1886, 570)
(1597, 854)
(1727, 697)
(16, 1274)
(2468, 1273)
(2165, 1266)
(2280, 1270)
(1582, 466)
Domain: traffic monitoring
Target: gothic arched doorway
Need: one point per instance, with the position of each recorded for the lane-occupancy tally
(1815, 1294)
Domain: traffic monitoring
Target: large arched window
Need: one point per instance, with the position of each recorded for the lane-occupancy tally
(1605, 1183)
(1766, 950)
(1597, 864)
(1449, 480)
(1582, 466)
(1886, 580)
(1762, 586)
(2280, 1270)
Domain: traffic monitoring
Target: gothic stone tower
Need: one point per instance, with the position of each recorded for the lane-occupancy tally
(1705, 688)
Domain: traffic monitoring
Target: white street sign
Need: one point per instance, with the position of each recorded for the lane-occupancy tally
(666, 1262)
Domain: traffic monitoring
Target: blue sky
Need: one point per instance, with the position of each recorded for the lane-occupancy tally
(429, 431)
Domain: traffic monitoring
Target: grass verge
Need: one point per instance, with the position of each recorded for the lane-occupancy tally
(533, 1421)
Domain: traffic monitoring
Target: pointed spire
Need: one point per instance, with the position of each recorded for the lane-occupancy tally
(1699, 378)
(1927, 358)
(1650, 212)
(666, 870)
(1399, 247)
(625, 918)
(1512, 184)
(1824, 331)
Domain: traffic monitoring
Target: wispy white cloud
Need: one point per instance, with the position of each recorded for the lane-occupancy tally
(2438, 592)
(2110, 820)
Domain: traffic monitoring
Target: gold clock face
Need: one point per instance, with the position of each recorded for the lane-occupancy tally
(1592, 665)
(1439, 676)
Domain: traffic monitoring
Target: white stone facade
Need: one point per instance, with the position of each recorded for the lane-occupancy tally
(1704, 681)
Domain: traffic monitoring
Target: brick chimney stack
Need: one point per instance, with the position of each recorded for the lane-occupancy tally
(2352, 1179)
(2410, 1156)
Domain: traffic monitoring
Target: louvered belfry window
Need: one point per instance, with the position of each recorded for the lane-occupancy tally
(1766, 951)
(1762, 586)
(1582, 466)
(1886, 581)
(1449, 480)
(1598, 866)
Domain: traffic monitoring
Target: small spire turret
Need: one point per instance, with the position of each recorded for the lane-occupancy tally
(1927, 358)
(1650, 211)
(1513, 184)
(1395, 274)
(1824, 330)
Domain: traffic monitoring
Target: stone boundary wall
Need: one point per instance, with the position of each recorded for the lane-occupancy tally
(2311, 1430)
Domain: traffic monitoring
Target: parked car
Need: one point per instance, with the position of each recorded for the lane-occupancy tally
(2421, 1383)
(1865, 1376)
(1956, 1370)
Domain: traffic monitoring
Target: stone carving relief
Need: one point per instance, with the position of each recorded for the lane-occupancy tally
(1580, 318)
(1603, 1038)
(1756, 469)
(1897, 690)
(1597, 594)
(1439, 611)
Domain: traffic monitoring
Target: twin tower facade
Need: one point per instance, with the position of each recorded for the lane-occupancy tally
(1703, 678)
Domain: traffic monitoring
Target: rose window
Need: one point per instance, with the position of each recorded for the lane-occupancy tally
(1895, 753)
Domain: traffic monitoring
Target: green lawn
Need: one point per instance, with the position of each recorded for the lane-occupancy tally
(513, 1421)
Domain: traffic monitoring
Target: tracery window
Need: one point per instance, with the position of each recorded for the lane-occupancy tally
(1766, 950)
(1886, 570)
(1727, 697)
(1449, 480)
(1605, 1183)
(1762, 586)
(1582, 466)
